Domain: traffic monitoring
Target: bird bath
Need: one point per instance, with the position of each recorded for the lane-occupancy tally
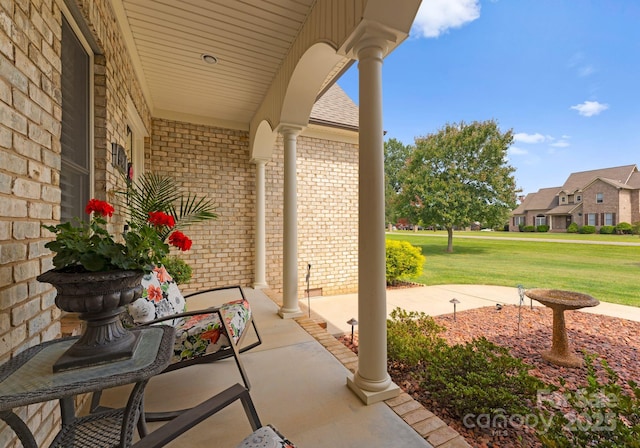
(559, 301)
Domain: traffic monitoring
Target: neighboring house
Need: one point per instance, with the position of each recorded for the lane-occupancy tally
(603, 197)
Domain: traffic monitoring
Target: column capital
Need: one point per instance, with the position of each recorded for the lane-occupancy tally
(260, 160)
(370, 34)
(289, 129)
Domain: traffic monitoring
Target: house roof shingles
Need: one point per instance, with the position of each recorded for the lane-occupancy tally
(579, 180)
(335, 108)
(546, 199)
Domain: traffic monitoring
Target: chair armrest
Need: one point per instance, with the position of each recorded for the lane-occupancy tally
(219, 288)
(187, 420)
(213, 309)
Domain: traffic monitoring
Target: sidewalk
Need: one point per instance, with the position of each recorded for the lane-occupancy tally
(435, 300)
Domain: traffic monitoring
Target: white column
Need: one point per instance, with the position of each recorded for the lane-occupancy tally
(290, 306)
(260, 280)
(371, 381)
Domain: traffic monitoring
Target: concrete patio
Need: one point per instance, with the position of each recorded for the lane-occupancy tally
(298, 386)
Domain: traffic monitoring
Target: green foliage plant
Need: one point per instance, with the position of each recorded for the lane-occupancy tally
(459, 175)
(412, 336)
(542, 228)
(396, 155)
(156, 192)
(587, 230)
(404, 261)
(601, 414)
(607, 230)
(624, 228)
(573, 228)
(529, 229)
(178, 269)
(82, 246)
(479, 378)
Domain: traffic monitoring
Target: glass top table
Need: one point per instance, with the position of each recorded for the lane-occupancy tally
(28, 378)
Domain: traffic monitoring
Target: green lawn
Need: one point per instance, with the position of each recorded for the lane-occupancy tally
(609, 273)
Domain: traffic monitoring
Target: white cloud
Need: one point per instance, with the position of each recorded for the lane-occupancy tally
(590, 108)
(561, 144)
(435, 17)
(529, 138)
(517, 151)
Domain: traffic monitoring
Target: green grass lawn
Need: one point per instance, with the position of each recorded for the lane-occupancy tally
(609, 273)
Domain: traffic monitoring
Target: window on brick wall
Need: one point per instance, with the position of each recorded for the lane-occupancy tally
(609, 219)
(591, 219)
(75, 170)
(599, 198)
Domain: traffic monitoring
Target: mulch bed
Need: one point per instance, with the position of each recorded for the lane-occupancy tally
(613, 339)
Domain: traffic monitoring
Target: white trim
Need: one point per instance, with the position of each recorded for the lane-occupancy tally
(136, 125)
(130, 45)
(329, 133)
(199, 119)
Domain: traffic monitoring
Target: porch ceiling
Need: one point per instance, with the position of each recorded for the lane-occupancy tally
(250, 39)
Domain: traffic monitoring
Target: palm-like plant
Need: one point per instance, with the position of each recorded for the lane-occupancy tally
(156, 192)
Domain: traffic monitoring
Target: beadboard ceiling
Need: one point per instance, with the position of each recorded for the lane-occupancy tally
(250, 39)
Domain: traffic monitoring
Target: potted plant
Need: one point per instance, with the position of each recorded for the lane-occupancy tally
(156, 192)
(96, 276)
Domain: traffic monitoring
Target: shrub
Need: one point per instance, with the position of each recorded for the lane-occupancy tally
(528, 228)
(624, 228)
(599, 414)
(636, 228)
(573, 228)
(587, 229)
(411, 336)
(178, 269)
(607, 230)
(542, 228)
(480, 377)
(403, 261)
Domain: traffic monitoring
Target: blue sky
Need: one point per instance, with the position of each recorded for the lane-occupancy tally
(563, 74)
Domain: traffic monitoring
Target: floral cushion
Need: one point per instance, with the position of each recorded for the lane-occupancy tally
(201, 334)
(160, 298)
(195, 335)
(266, 437)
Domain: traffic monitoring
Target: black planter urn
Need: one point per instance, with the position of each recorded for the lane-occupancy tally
(100, 298)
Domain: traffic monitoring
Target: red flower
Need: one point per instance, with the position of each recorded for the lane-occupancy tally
(98, 207)
(180, 240)
(161, 219)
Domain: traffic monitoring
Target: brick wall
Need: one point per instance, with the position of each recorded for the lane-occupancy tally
(211, 162)
(327, 175)
(214, 162)
(30, 114)
(29, 162)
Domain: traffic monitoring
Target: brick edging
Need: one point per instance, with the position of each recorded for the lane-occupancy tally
(427, 424)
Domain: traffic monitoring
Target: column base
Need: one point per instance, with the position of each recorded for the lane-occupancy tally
(289, 314)
(369, 397)
(260, 286)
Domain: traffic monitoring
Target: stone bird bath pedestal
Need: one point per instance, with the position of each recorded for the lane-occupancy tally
(559, 301)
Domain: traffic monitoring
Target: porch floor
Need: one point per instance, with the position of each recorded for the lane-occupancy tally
(297, 385)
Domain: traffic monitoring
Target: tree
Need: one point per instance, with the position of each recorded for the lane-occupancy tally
(459, 175)
(395, 158)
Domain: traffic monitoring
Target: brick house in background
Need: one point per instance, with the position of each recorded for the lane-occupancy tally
(603, 197)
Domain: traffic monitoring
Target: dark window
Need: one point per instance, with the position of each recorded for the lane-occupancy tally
(599, 198)
(75, 139)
